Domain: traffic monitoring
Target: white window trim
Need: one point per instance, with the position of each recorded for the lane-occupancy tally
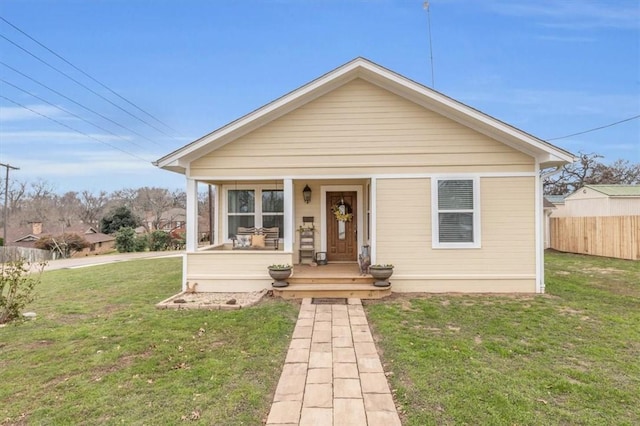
(435, 223)
(258, 213)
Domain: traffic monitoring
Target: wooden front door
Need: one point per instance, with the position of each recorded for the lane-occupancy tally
(342, 236)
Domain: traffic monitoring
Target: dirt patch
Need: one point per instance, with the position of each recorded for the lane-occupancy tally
(212, 301)
(39, 344)
(604, 271)
(568, 310)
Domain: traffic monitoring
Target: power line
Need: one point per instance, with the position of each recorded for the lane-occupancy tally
(425, 6)
(84, 86)
(596, 128)
(70, 113)
(89, 76)
(71, 128)
(78, 103)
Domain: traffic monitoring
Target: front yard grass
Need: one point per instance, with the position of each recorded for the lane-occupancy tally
(568, 357)
(99, 352)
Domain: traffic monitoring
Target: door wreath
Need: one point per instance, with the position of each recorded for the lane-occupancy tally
(342, 211)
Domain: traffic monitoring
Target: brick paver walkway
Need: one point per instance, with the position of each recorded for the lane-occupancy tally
(332, 374)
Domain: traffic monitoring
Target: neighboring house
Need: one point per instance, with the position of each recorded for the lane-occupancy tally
(27, 237)
(548, 209)
(421, 178)
(558, 202)
(168, 220)
(173, 221)
(603, 200)
(99, 243)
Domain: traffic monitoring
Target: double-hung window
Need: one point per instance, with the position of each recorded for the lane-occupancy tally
(262, 207)
(456, 212)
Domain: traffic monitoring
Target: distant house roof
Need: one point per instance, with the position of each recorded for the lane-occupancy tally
(548, 204)
(94, 236)
(555, 199)
(25, 235)
(617, 190)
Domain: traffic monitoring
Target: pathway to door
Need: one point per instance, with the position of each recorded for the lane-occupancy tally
(332, 374)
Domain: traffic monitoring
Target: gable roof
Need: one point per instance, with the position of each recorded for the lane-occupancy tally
(555, 199)
(547, 154)
(616, 190)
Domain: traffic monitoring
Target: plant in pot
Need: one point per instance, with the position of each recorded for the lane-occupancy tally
(381, 273)
(279, 274)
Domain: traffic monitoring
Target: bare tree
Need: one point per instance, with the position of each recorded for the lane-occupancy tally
(17, 192)
(620, 172)
(155, 202)
(588, 170)
(92, 207)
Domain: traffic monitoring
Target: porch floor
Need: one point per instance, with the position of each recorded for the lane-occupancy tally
(331, 280)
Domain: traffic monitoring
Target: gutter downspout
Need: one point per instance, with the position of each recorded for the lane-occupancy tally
(540, 237)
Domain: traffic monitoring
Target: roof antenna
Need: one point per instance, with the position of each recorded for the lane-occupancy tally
(425, 6)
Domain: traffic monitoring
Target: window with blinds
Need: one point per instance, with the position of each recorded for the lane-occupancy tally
(455, 213)
(254, 206)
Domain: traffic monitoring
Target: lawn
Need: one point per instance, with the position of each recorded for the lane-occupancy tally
(99, 352)
(568, 357)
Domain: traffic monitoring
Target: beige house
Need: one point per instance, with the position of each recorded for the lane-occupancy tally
(603, 200)
(414, 175)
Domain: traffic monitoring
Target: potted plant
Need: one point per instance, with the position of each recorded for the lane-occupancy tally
(279, 273)
(381, 274)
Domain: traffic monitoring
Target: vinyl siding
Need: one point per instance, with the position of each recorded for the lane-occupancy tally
(505, 261)
(232, 270)
(360, 128)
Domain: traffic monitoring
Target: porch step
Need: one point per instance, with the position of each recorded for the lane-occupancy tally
(306, 280)
(349, 290)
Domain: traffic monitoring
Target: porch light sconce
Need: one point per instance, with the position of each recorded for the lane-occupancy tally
(306, 194)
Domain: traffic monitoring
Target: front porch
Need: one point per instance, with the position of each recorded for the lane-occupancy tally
(245, 271)
(302, 213)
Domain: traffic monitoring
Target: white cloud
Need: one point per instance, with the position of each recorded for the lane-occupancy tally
(55, 137)
(575, 15)
(83, 163)
(12, 114)
(566, 39)
(559, 102)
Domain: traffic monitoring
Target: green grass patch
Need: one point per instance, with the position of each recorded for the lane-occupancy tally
(567, 357)
(99, 352)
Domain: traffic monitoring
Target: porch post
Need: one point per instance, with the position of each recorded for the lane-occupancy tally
(539, 232)
(288, 215)
(192, 215)
(216, 213)
(373, 217)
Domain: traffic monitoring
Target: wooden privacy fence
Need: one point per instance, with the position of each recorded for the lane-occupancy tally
(31, 255)
(611, 236)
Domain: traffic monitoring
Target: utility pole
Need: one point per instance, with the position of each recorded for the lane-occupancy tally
(6, 200)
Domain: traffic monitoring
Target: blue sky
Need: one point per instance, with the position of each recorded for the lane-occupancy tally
(549, 67)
